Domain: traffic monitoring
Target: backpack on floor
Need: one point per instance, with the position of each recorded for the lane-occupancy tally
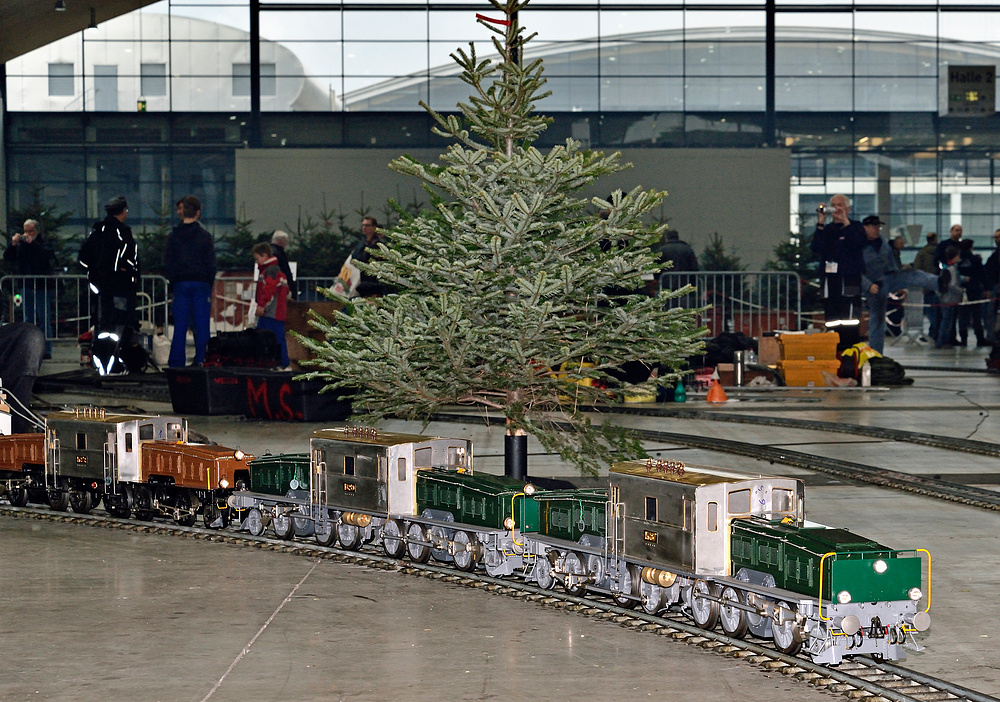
(886, 371)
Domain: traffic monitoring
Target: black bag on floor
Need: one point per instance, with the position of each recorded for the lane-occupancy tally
(250, 348)
(886, 371)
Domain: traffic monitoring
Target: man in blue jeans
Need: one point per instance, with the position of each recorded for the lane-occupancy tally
(190, 262)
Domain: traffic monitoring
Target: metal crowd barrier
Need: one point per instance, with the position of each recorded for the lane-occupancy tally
(60, 305)
(751, 302)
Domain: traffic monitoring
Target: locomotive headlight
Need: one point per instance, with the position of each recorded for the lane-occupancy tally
(843, 597)
(880, 566)
(915, 593)
(508, 523)
(529, 489)
(239, 455)
(223, 483)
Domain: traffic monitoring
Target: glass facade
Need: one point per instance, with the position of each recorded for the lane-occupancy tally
(859, 94)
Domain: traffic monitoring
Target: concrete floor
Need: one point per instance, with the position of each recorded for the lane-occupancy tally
(94, 614)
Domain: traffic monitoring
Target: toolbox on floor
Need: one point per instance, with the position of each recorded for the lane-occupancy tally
(206, 390)
(809, 347)
(807, 374)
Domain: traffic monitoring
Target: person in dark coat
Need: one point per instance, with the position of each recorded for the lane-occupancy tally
(369, 285)
(189, 259)
(970, 267)
(112, 261)
(34, 257)
(21, 349)
(839, 246)
(279, 240)
(991, 288)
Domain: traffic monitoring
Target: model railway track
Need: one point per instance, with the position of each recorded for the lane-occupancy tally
(847, 470)
(858, 677)
(948, 443)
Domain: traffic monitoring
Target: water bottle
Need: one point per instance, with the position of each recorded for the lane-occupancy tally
(680, 394)
(866, 375)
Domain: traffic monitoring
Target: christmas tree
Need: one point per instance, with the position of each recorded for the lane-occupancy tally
(517, 294)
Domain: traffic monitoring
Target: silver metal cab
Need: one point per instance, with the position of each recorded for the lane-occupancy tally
(680, 515)
(94, 444)
(362, 469)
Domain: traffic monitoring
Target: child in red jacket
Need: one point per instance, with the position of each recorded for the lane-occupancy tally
(272, 296)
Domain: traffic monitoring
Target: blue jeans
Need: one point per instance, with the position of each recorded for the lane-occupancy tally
(878, 303)
(279, 331)
(192, 307)
(37, 310)
(947, 325)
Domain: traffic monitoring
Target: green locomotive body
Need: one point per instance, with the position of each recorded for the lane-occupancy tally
(571, 515)
(277, 474)
(481, 500)
(802, 558)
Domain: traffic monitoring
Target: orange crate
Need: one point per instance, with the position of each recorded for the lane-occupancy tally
(807, 374)
(809, 347)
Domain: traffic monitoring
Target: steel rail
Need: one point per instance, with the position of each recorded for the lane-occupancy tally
(949, 443)
(880, 681)
(857, 472)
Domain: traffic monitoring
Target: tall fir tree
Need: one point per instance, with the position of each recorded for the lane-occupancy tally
(515, 295)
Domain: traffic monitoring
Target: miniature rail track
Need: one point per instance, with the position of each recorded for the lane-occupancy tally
(854, 678)
(856, 472)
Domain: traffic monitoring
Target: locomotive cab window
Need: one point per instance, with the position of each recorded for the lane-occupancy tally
(174, 432)
(128, 442)
(781, 502)
(713, 516)
(739, 502)
(145, 432)
(401, 469)
(422, 458)
(348, 465)
(650, 509)
(81, 441)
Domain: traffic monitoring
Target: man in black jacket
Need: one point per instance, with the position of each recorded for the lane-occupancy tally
(112, 262)
(189, 259)
(34, 257)
(839, 245)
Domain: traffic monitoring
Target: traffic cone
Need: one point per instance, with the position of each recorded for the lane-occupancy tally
(716, 393)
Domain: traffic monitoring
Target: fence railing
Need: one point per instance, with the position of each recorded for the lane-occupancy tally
(60, 305)
(751, 302)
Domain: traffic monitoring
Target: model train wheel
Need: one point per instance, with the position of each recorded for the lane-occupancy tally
(733, 620)
(417, 551)
(184, 514)
(144, 504)
(627, 587)
(651, 597)
(120, 504)
(283, 525)
(393, 542)
(349, 536)
(213, 517)
(81, 501)
(543, 573)
(254, 522)
(58, 499)
(785, 635)
(466, 551)
(18, 496)
(575, 573)
(325, 531)
(704, 611)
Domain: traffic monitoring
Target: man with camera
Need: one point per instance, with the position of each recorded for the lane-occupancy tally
(838, 245)
(34, 258)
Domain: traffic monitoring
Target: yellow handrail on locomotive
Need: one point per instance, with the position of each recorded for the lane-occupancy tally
(832, 553)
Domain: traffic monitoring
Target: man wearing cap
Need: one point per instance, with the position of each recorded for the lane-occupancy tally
(112, 262)
(839, 244)
(883, 275)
